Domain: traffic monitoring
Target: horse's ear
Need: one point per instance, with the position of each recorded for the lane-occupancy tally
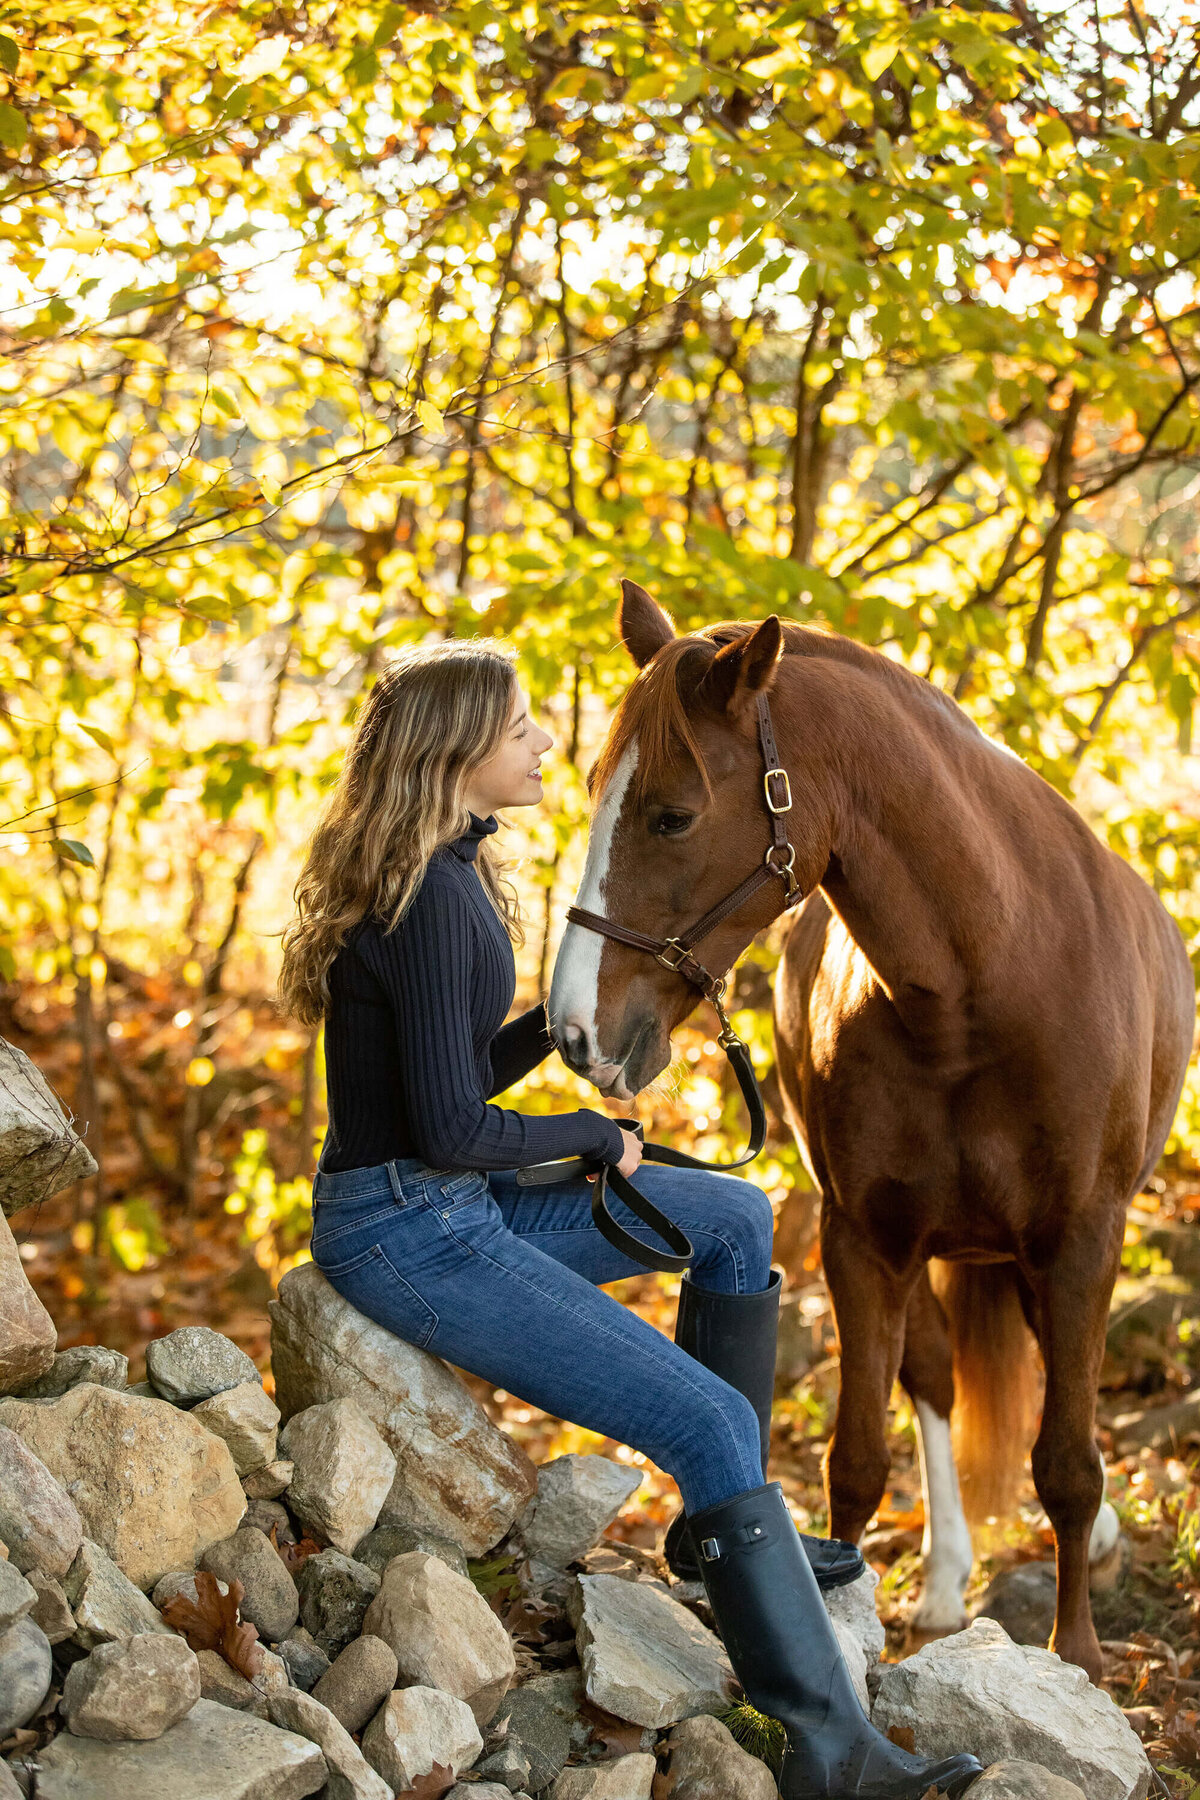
(743, 668)
(642, 623)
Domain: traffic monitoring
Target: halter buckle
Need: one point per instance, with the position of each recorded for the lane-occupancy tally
(664, 959)
(781, 775)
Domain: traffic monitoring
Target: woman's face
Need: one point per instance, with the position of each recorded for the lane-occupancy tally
(510, 777)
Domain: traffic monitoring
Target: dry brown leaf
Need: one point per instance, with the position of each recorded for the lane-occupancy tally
(904, 1738)
(212, 1623)
(439, 1781)
(618, 1736)
(295, 1554)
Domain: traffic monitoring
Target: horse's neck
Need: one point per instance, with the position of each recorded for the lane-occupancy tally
(920, 872)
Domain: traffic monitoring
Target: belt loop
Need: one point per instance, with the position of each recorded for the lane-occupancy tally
(394, 1178)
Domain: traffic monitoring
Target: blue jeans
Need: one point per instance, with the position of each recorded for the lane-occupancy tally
(503, 1281)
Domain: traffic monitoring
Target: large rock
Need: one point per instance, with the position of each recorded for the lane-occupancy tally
(213, 1753)
(196, 1362)
(417, 1727)
(267, 1483)
(358, 1683)
(529, 1737)
(17, 1596)
(39, 1152)
(270, 1601)
(351, 1776)
(979, 1691)
(335, 1592)
(1023, 1781)
(82, 1362)
(39, 1521)
(27, 1332)
(379, 1546)
(646, 1658)
(707, 1764)
(152, 1486)
(25, 1670)
(248, 1420)
(343, 1471)
(138, 1688)
(106, 1604)
(52, 1609)
(627, 1778)
(859, 1630)
(444, 1633)
(578, 1497)
(456, 1473)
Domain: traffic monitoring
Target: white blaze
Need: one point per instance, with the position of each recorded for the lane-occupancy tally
(575, 987)
(947, 1543)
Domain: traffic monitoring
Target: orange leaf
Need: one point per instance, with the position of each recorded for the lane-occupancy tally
(439, 1781)
(211, 1623)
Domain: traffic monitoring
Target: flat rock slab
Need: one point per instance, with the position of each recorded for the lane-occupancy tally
(39, 1152)
(105, 1603)
(39, 1522)
(646, 1658)
(578, 1497)
(626, 1778)
(212, 1754)
(979, 1691)
(153, 1487)
(457, 1474)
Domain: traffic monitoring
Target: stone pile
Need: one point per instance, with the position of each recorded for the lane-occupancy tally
(362, 1587)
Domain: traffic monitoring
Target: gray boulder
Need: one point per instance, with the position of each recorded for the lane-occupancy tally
(213, 1753)
(270, 1601)
(248, 1420)
(578, 1497)
(25, 1671)
(17, 1596)
(105, 1603)
(196, 1362)
(417, 1727)
(626, 1778)
(335, 1592)
(646, 1658)
(40, 1154)
(979, 1691)
(379, 1546)
(1023, 1601)
(529, 1737)
(51, 1610)
(358, 1683)
(1023, 1781)
(444, 1633)
(708, 1764)
(137, 1688)
(351, 1776)
(303, 1658)
(39, 1521)
(343, 1471)
(82, 1362)
(457, 1474)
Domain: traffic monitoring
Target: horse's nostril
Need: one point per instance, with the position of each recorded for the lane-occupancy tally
(574, 1044)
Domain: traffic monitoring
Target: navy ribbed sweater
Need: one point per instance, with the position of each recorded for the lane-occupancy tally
(413, 1045)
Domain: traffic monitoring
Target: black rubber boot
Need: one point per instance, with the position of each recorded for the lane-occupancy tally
(784, 1652)
(734, 1336)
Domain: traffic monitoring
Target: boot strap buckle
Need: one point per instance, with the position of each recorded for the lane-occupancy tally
(710, 1549)
(713, 1548)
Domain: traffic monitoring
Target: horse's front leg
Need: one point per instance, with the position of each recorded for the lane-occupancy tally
(869, 1306)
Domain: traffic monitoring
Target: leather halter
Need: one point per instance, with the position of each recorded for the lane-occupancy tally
(677, 954)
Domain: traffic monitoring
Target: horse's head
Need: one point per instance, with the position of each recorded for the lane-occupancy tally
(678, 821)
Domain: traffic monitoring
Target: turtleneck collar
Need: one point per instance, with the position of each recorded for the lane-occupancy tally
(467, 845)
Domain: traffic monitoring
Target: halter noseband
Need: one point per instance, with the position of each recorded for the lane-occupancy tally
(676, 953)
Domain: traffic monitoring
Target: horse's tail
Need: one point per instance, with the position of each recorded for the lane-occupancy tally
(996, 1383)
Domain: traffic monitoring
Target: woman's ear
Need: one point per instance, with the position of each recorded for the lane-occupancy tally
(742, 669)
(643, 625)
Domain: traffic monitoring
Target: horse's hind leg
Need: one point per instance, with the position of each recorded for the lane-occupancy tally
(869, 1307)
(927, 1374)
(1072, 1299)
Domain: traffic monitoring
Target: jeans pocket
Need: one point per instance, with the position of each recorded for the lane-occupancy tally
(458, 1190)
(373, 1285)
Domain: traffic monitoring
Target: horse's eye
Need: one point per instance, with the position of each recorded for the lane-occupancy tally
(670, 824)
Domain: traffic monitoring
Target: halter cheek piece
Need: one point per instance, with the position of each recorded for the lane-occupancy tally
(677, 954)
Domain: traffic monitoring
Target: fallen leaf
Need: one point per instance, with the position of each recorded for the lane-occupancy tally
(211, 1623)
(295, 1554)
(904, 1738)
(439, 1781)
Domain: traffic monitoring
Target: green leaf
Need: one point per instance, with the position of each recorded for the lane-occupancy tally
(74, 851)
(14, 128)
(10, 55)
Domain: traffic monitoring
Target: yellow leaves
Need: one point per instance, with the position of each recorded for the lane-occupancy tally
(878, 57)
(430, 417)
(264, 59)
(200, 1071)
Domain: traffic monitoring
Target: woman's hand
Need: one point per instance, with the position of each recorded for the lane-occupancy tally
(632, 1156)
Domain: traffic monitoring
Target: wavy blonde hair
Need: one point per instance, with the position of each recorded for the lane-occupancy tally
(435, 713)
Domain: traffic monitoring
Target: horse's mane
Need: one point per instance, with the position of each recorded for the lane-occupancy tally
(653, 709)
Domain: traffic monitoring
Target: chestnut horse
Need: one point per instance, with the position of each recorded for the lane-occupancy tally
(983, 1019)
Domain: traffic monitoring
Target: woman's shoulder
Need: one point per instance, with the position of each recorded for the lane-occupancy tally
(440, 892)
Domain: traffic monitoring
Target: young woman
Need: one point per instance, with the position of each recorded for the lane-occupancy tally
(402, 945)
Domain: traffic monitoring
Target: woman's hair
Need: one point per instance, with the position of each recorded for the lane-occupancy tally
(435, 713)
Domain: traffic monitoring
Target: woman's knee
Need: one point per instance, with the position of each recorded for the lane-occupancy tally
(740, 1227)
(716, 1446)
